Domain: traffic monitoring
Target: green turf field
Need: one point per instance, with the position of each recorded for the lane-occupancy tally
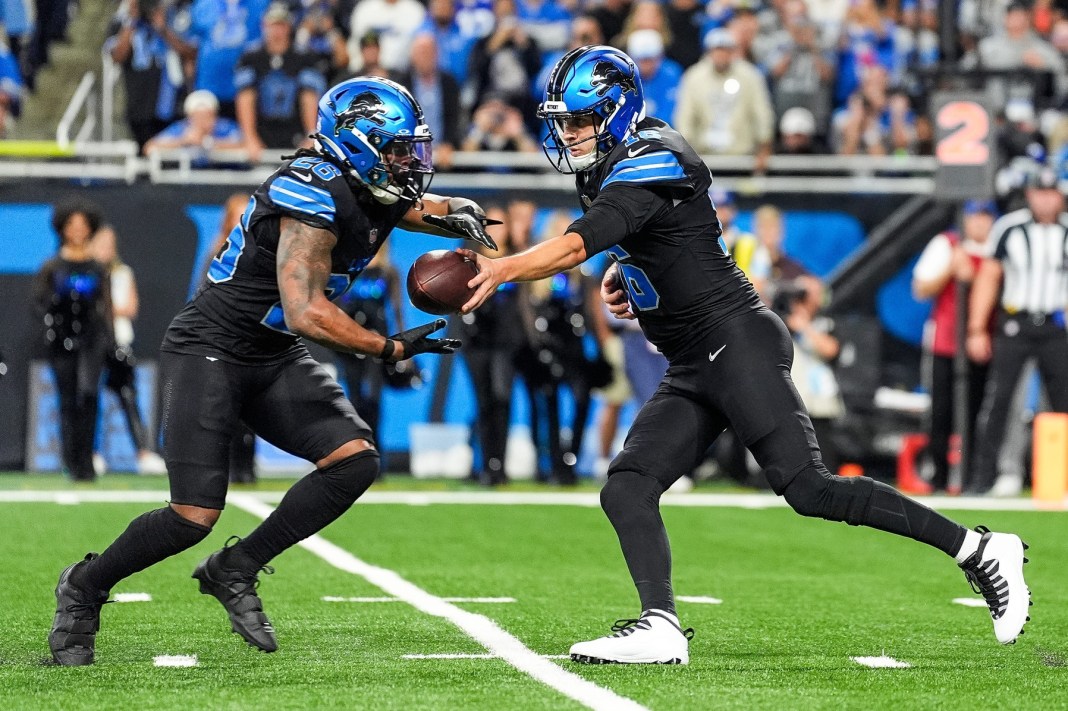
(799, 598)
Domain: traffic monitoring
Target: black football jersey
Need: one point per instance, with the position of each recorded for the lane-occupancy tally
(238, 311)
(647, 206)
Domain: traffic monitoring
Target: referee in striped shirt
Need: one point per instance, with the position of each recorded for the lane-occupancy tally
(1029, 253)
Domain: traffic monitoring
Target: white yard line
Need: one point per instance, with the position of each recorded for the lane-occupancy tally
(131, 597)
(699, 599)
(501, 498)
(475, 656)
(970, 601)
(489, 600)
(480, 628)
(175, 660)
(882, 662)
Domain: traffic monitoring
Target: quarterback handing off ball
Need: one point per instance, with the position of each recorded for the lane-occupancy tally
(437, 282)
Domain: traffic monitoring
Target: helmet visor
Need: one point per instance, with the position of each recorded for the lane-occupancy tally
(409, 165)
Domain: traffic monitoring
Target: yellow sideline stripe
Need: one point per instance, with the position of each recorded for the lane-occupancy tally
(34, 149)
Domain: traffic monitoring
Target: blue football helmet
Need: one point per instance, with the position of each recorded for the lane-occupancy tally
(592, 81)
(375, 128)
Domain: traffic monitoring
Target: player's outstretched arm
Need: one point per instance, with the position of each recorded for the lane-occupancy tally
(542, 260)
(450, 217)
(303, 271)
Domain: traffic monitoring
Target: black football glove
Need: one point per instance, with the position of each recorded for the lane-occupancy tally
(415, 341)
(466, 223)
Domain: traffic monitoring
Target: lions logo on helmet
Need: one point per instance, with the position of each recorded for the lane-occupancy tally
(592, 81)
(606, 75)
(365, 106)
(379, 136)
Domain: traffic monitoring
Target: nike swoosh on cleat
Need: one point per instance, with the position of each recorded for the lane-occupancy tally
(712, 356)
(211, 359)
(637, 151)
(303, 176)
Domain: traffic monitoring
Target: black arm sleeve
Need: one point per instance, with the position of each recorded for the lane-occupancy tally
(620, 210)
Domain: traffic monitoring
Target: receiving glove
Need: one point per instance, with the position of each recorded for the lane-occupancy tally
(415, 341)
(465, 219)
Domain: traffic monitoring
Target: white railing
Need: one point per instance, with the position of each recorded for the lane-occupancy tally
(84, 98)
(117, 160)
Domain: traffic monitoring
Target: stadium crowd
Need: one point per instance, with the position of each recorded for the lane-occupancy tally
(737, 77)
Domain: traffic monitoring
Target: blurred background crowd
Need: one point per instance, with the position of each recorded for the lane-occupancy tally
(237, 81)
(736, 77)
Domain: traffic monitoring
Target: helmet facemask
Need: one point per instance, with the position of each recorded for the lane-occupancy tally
(404, 170)
(558, 151)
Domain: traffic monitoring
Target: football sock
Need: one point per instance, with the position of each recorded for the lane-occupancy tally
(860, 501)
(969, 546)
(632, 503)
(148, 539)
(307, 508)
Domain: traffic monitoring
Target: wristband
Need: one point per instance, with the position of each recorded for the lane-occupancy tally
(387, 350)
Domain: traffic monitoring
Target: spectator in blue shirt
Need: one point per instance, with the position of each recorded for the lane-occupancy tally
(454, 45)
(144, 42)
(546, 22)
(660, 75)
(867, 39)
(222, 30)
(10, 89)
(202, 130)
(278, 89)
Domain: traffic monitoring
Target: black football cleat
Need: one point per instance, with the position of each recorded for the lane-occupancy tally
(236, 590)
(73, 636)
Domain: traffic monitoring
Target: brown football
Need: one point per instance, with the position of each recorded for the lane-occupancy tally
(437, 282)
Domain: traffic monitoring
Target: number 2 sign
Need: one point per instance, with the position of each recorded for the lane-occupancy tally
(963, 145)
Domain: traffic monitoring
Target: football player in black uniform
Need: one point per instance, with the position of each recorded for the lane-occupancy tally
(235, 354)
(645, 195)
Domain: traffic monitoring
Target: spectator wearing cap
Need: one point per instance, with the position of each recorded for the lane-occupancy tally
(202, 130)
(278, 89)
(394, 21)
(454, 45)
(439, 96)
(802, 72)
(371, 56)
(660, 76)
(1016, 46)
(1027, 263)
(724, 107)
(797, 133)
(221, 32)
(949, 259)
(143, 43)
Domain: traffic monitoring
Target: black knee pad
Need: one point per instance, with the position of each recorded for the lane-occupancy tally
(816, 492)
(350, 477)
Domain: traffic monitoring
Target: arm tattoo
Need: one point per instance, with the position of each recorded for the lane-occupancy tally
(303, 263)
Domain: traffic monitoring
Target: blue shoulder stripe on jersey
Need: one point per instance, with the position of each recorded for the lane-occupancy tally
(299, 185)
(649, 168)
(294, 195)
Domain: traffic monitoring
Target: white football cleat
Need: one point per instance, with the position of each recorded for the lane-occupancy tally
(655, 638)
(995, 571)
